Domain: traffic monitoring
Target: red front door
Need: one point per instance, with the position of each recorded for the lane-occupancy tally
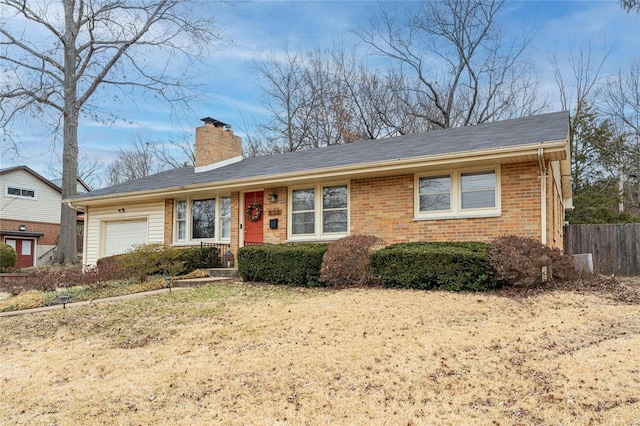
(253, 218)
(24, 251)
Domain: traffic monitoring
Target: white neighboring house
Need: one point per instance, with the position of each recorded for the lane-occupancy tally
(30, 214)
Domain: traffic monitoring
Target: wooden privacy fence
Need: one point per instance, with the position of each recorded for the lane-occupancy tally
(615, 248)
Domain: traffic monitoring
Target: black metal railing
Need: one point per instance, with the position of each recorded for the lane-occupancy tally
(215, 255)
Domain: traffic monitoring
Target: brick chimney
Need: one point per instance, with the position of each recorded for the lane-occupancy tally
(216, 145)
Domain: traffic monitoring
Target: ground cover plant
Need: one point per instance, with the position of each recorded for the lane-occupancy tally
(239, 354)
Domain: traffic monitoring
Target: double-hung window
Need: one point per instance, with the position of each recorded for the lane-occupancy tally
(458, 194)
(203, 219)
(320, 211)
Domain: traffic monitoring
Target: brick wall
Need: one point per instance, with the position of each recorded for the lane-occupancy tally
(168, 221)
(51, 231)
(275, 210)
(384, 207)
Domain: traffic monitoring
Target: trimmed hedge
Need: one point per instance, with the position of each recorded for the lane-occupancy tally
(446, 266)
(289, 264)
(8, 257)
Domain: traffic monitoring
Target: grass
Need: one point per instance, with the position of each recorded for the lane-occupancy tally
(243, 354)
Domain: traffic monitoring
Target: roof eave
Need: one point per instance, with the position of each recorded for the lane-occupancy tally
(555, 149)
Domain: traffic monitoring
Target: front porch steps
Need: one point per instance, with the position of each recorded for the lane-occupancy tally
(215, 274)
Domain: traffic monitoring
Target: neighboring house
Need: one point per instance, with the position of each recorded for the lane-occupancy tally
(470, 183)
(30, 214)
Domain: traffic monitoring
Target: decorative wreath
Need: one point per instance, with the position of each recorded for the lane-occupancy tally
(253, 217)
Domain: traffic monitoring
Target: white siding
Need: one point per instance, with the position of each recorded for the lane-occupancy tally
(98, 216)
(45, 207)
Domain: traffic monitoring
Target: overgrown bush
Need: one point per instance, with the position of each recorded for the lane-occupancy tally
(445, 266)
(347, 262)
(519, 261)
(150, 259)
(290, 264)
(198, 258)
(48, 278)
(8, 258)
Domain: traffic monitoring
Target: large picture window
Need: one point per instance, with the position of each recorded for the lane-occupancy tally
(458, 194)
(203, 219)
(320, 211)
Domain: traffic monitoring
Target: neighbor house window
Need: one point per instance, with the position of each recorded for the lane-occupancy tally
(320, 211)
(200, 219)
(14, 191)
(458, 194)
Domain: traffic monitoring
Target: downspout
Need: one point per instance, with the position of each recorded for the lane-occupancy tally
(543, 205)
(84, 231)
(543, 195)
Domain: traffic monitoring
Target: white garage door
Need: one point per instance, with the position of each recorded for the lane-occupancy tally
(121, 236)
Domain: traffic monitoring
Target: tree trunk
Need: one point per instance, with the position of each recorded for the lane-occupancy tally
(68, 242)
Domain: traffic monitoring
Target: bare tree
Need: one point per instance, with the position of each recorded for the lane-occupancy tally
(74, 47)
(458, 69)
(136, 161)
(622, 98)
(176, 153)
(630, 5)
(90, 170)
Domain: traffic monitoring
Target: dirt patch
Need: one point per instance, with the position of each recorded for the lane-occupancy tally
(240, 354)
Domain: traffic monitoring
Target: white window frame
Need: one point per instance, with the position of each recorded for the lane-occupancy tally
(189, 240)
(23, 197)
(318, 210)
(456, 211)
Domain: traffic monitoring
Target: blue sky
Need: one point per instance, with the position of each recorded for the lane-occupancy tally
(259, 27)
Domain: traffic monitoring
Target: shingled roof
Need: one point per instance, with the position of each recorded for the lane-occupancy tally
(552, 127)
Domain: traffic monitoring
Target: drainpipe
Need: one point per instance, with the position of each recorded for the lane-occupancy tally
(84, 231)
(543, 195)
(543, 205)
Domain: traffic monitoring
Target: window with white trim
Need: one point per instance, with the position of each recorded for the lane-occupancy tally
(202, 219)
(460, 193)
(320, 211)
(14, 191)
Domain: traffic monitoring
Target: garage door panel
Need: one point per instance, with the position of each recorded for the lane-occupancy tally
(123, 235)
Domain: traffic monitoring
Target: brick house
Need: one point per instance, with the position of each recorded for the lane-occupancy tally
(30, 214)
(471, 183)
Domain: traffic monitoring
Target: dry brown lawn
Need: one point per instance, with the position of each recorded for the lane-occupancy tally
(238, 354)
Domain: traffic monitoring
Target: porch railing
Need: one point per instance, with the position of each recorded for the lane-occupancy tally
(214, 255)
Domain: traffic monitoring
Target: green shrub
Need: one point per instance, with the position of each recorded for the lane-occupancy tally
(150, 259)
(289, 264)
(199, 258)
(445, 266)
(518, 261)
(347, 262)
(8, 258)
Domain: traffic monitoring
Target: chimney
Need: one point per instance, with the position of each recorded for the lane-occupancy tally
(216, 145)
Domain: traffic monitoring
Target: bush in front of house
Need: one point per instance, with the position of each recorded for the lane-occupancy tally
(518, 261)
(150, 259)
(347, 262)
(8, 258)
(446, 266)
(292, 264)
(199, 258)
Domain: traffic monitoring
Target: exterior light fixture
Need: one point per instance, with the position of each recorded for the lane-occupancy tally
(23, 227)
(64, 299)
(120, 210)
(228, 257)
(167, 279)
(274, 198)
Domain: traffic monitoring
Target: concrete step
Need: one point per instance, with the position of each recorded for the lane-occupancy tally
(223, 272)
(197, 282)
